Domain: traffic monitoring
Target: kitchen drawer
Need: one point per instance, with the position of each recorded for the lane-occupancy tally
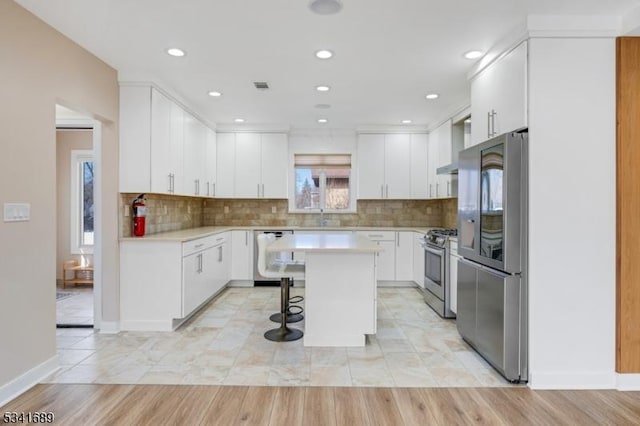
(379, 235)
(200, 244)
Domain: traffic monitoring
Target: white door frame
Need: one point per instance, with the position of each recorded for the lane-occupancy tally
(96, 126)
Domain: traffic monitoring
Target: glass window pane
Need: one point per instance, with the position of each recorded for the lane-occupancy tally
(337, 188)
(307, 188)
(86, 232)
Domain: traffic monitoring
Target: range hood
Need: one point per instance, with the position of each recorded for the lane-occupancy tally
(449, 169)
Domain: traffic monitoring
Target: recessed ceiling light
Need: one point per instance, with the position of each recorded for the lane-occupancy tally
(322, 106)
(432, 96)
(324, 54)
(215, 94)
(325, 7)
(174, 51)
(407, 121)
(239, 120)
(323, 88)
(322, 120)
(473, 54)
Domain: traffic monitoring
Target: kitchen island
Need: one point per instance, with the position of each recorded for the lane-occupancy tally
(340, 286)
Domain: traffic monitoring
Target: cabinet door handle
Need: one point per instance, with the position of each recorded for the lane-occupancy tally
(263, 190)
(489, 124)
(199, 270)
(258, 190)
(397, 239)
(197, 246)
(214, 189)
(195, 186)
(387, 185)
(493, 122)
(430, 190)
(448, 189)
(246, 238)
(208, 193)
(437, 184)
(220, 254)
(169, 190)
(381, 191)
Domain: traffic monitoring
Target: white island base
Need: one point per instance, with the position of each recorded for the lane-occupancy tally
(340, 298)
(340, 286)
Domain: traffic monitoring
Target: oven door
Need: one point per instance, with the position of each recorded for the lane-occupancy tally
(434, 274)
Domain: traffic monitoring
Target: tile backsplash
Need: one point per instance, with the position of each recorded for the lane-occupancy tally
(172, 213)
(164, 213)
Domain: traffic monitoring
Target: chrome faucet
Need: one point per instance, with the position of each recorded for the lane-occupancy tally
(323, 221)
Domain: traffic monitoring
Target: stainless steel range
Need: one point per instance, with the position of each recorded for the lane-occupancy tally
(437, 289)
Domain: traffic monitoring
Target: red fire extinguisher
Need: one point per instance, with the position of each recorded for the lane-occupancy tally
(139, 213)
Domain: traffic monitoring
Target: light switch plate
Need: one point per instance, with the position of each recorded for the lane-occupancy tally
(17, 212)
(274, 209)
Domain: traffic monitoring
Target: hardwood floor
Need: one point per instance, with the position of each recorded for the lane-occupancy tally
(93, 404)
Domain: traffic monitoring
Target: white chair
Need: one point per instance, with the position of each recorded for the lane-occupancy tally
(269, 267)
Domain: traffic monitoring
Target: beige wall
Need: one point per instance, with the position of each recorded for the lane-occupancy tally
(39, 68)
(66, 141)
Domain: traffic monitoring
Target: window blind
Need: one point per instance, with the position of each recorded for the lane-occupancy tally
(326, 161)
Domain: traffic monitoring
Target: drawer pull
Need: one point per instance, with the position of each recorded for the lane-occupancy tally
(198, 245)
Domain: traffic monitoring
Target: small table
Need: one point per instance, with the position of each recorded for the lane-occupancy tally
(340, 286)
(79, 274)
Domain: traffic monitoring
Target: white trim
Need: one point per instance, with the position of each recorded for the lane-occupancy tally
(26, 381)
(573, 380)
(79, 156)
(109, 327)
(174, 97)
(97, 224)
(628, 382)
(252, 128)
(381, 129)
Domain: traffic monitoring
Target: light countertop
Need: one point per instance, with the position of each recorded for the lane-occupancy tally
(325, 243)
(204, 231)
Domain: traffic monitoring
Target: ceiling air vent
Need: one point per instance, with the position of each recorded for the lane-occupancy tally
(261, 85)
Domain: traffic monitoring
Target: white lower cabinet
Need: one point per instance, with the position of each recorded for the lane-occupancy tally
(404, 256)
(453, 276)
(164, 282)
(242, 255)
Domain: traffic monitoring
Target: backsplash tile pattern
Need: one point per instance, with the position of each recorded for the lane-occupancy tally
(164, 213)
(172, 213)
(370, 213)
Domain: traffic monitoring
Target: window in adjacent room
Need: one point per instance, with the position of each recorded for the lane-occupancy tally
(323, 181)
(82, 204)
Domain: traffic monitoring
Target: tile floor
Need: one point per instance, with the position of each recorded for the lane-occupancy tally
(75, 309)
(224, 344)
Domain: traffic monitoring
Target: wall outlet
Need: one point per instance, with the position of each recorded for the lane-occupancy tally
(226, 209)
(126, 211)
(274, 209)
(165, 209)
(17, 212)
(188, 209)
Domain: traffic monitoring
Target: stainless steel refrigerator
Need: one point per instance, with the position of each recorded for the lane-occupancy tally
(492, 240)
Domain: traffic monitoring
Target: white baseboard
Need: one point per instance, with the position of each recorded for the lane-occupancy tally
(26, 381)
(396, 284)
(240, 283)
(110, 327)
(628, 382)
(583, 380)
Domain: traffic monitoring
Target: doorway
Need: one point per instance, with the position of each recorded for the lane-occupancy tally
(77, 202)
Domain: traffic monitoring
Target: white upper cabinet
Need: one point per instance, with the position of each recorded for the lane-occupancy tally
(210, 164)
(248, 165)
(397, 167)
(195, 134)
(384, 166)
(275, 160)
(162, 147)
(370, 166)
(225, 165)
(252, 165)
(440, 154)
(419, 170)
(499, 96)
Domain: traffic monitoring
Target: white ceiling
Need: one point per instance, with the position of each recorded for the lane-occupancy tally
(388, 54)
